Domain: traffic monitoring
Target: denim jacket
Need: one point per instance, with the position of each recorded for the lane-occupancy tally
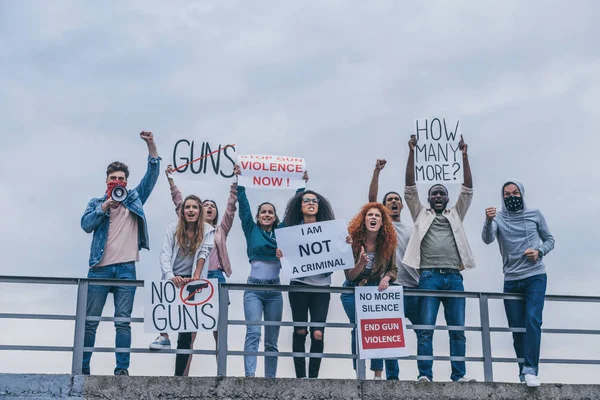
(95, 220)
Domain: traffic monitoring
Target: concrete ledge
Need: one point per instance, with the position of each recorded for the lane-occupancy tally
(13, 386)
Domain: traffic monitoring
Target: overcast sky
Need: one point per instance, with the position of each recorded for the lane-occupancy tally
(339, 83)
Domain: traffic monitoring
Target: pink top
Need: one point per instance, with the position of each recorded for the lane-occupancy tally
(218, 258)
(122, 241)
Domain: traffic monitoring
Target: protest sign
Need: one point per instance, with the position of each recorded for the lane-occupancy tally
(192, 159)
(317, 248)
(380, 322)
(437, 156)
(191, 308)
(271, 172)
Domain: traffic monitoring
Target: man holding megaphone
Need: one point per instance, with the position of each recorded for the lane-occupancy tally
(119, 228)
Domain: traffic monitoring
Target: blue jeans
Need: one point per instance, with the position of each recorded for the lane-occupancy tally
(255, 303)
(454, 312)
(217, 274)
(349, 304)
(527, 314)
(123, 297)
(411, 311)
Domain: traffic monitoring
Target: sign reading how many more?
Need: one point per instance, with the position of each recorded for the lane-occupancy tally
(438, 158)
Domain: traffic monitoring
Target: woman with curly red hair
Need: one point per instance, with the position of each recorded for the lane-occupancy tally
(374, 244)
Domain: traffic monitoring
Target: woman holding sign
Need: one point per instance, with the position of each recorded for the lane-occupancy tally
(374, 244)
(265, 268)
(188, 243)
(304, 208)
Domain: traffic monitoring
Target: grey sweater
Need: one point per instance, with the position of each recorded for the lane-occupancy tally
(516, 232)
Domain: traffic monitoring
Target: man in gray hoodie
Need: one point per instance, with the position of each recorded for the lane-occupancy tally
(524, 240)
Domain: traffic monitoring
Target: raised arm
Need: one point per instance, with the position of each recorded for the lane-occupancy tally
(467, 178)
(227, 221)
(490, 227)
(176, 196)
(151, 176)
(374, 186)
(410, 164)
(245, 211)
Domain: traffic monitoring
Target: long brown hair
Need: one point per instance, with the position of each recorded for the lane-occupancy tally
(385, 244)
(190, 246)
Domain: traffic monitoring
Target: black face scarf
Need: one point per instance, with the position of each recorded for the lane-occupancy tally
(513, 203)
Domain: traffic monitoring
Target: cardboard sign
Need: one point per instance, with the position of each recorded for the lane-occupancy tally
(380, 320)
(437, 156)
(271, 172)
(191, 308)
(312, 249)
(193, 158)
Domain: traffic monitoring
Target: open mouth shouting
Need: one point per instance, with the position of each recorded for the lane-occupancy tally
(191, 216)
(373, 220)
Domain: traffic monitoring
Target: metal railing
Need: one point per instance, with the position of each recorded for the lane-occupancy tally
(224, 323)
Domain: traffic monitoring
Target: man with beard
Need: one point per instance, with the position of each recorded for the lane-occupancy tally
(524, 239)
(439, 250)
(407, 277)
(119, 232)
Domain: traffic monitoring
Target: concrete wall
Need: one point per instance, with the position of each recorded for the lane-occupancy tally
(29, 387)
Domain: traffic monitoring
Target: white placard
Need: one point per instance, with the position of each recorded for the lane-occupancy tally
(380, 322)
(201, 159)
(311, 249)
(437, 156)
(271, 172)
(191, 308)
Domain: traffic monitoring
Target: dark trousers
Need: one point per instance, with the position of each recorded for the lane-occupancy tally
(318, 305)
(184, 341)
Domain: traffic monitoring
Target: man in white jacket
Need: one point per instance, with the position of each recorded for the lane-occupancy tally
(438, 248)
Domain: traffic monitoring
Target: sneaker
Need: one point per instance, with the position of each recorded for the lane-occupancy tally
(423, 379)
(160, 343)
(531, 380)
(123, 372)
(377, 378)
(466, 379)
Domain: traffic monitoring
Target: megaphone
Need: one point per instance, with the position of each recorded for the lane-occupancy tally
(119, 194)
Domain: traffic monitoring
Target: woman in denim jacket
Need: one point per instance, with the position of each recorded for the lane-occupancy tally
(374, 244)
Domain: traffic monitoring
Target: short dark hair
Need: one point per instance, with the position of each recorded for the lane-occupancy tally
(388, 193)
(117, 166)
(436, 185)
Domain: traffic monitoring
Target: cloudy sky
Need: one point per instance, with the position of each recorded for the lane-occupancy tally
(339, 83)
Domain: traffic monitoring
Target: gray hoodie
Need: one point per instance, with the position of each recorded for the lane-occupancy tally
(516, 232)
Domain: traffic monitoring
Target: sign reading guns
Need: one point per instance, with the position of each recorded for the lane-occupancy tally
(437, 156)
(191, 308)
(312, 249)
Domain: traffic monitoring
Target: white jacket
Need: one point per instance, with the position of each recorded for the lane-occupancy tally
(170, 248)
(423, 218)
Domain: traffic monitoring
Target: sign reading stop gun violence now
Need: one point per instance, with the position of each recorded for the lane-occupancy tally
(191, 308)
(271, 172)
(437, 156)
(380, 317)
(317, 248)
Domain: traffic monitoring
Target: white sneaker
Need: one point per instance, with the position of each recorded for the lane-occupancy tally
(160, 343)
(466, 379)
(377, 377)
(531, 380)
(423, 379)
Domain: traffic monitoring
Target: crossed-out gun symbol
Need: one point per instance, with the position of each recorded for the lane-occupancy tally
(193, 289)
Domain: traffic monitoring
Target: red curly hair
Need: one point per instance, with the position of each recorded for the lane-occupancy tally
(386, 241)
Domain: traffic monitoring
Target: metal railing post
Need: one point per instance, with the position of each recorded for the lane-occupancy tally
(222, 330)
(486, 341)
(79, 336)
(361, 365)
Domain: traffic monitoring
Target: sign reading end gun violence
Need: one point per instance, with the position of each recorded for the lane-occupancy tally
(437, 156)
(381, 322)
(271, 172)
(191, 308)
(317, 248)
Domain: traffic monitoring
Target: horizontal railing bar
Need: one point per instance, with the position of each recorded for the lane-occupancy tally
(116, 319)
(43, 280)
(548, 361)
(287, 354)
(290, 323)
(551, 331)
(18, 347)
(149, 351)
(55, 317)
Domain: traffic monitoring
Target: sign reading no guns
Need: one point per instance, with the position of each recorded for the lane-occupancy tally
(191, 308)
(312, 249)
(381, 322)
(437, 156)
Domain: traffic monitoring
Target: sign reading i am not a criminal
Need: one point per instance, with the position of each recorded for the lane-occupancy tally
(381, 322)
(437, 156)
(271, 172)
(311, 249)
(191, 308)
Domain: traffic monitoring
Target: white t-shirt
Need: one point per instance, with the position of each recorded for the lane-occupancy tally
(407, 276)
